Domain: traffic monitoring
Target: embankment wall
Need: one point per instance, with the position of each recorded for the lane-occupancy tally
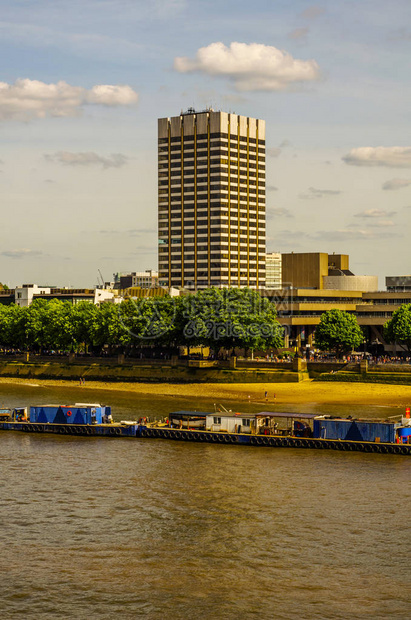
(145, 374)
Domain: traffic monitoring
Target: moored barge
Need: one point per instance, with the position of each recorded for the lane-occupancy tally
(78, 419)
(269, 429)
(286, 430)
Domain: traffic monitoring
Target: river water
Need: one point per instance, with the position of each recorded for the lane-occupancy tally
(99, 527)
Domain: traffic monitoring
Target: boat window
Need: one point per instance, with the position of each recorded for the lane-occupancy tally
(217, 420)
(246, 422)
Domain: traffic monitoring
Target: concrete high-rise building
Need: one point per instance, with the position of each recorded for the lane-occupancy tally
(273, 270)
(211, 202)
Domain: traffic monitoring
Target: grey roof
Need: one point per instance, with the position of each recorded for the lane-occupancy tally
(307, 416)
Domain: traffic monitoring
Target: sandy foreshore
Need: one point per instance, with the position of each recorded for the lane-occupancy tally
(279, 393)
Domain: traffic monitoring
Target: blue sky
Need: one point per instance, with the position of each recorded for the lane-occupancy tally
(82, 85)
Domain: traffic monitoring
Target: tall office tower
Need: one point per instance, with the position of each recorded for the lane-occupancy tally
(211, 202)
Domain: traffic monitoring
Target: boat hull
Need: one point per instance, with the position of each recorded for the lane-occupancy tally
(106, 430)
(201, 436)
(272, 441)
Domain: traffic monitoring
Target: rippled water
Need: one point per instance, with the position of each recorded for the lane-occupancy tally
(98, 527)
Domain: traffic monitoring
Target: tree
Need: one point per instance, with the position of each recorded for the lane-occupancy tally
(83, 316)
(398, 328)
(338, 331)
(13, 326)
(49, 325)
(228, 318)
(109, 326)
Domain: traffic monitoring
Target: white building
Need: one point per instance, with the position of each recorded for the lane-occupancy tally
(23, 295)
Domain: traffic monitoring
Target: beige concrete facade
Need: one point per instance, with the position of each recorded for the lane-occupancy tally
(300, 310)
(305, 269)
(366, 284)
(211, 201)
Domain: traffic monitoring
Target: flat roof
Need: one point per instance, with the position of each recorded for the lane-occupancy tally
(197, 414)
(308, 416)
(65, 406)
(264, 414)
(236, 414)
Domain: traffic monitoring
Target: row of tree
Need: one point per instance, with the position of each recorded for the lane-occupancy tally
(216, 318)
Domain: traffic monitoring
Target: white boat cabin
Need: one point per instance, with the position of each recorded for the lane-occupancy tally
(231, 422)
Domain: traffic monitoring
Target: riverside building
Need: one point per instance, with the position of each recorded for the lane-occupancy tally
(211, 201)
(273, 277)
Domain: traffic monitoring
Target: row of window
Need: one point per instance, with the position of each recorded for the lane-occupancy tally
(202, 156)
(205, 146)
(204, 136)
(206, 167)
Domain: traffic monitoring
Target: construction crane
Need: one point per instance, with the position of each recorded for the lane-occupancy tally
(102, 279)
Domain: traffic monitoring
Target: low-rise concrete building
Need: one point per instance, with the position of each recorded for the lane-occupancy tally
(398, 283)
(319, 270)
(140, 279)
(300, 310)
(24, 295)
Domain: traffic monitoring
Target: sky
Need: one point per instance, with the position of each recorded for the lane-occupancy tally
(82, 83)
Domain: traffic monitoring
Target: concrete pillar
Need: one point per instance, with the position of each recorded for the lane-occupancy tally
(174, 360)
(299, 364)
(120, 358)
(233, 362)
(71, 357)
(363, 367)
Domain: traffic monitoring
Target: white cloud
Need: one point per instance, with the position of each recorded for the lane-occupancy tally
(22, 253)
(107, 94)
(375, 224)
(374, 213)
(388, 156)
(314, 193)
(28, 99)
(396, 184)
(382, 223)
(351, 235)
(251, 66)
(278, 212)
(116, 160)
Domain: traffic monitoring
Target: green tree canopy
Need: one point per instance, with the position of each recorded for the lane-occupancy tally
(49, 324)
(13, 326)
(398, 328)
(228, 318)
(338, 331)
(218, 318)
